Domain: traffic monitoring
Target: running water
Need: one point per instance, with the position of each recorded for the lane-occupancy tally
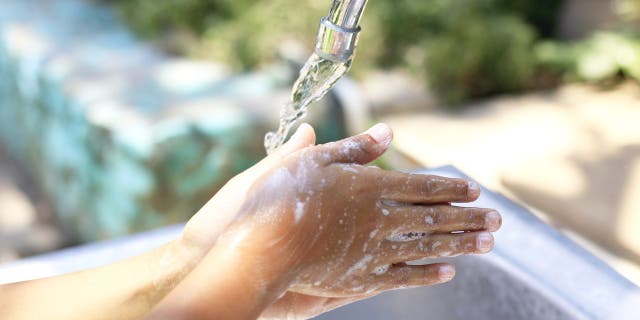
(316, 78)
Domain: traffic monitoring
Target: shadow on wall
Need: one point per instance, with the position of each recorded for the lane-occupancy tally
(601, 200)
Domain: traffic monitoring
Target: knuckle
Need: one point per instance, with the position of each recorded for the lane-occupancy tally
(437, 216)
(403, 276)
(430, 245)
(456, 244)
(470, 246)
(475, 217)
(426, 187)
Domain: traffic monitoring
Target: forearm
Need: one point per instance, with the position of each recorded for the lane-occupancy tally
(128, 289)
(227, 284)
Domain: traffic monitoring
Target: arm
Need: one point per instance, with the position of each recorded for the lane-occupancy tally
(129, 289)
(124, 290)
(302, 232)
(321, 230)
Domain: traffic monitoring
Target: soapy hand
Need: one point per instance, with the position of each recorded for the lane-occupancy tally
(317, 228)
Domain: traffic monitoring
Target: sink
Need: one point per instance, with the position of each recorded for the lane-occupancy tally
(534, 272)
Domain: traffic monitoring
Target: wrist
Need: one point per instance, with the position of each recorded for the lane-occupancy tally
(227, 283)
(252, 280)
(177, 259)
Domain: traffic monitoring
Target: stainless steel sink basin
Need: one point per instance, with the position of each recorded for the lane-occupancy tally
(534, 272)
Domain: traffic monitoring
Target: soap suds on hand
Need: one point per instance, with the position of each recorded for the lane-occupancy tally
(405, 237)
(358, 266)
(428, 220)
(299, 212)
(381, 270)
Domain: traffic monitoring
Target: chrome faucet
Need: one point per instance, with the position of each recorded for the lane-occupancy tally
(338, 33)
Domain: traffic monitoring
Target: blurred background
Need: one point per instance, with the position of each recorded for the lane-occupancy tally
(119, 116)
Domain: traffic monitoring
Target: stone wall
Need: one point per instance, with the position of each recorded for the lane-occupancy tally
(121, 137)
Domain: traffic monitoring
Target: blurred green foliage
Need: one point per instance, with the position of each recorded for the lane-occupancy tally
(601, 57)
(463, 48)
(244, 33)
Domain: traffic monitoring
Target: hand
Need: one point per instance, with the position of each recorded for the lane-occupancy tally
(341, 229)
(203, 229)
(316, 227)
(350, 227)
(301, 306)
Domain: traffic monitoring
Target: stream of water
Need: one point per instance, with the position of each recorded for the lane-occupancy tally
(316, 78)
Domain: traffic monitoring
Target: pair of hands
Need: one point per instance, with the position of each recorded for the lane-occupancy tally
(311, 228)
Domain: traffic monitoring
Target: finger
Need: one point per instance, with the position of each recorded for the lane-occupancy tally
(361, 149)
(438, 219)
(422, 188)
(406, 276)
(434, 246)
(302, 138)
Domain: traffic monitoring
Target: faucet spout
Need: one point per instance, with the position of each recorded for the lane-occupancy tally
(338, 32)
(346, 13)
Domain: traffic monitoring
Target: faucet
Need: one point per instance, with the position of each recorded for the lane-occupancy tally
(338, 32)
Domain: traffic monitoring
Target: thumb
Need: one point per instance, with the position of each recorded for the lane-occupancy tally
(303, 137)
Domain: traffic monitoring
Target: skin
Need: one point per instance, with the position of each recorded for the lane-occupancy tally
(306, 230)
(313, 234)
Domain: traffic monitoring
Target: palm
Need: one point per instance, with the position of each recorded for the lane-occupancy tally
(302, 306)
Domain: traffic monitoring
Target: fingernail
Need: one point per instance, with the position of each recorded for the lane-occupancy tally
(381, 133)
(446, 273)
(484, 242)
(473, 190)
(492, 220)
